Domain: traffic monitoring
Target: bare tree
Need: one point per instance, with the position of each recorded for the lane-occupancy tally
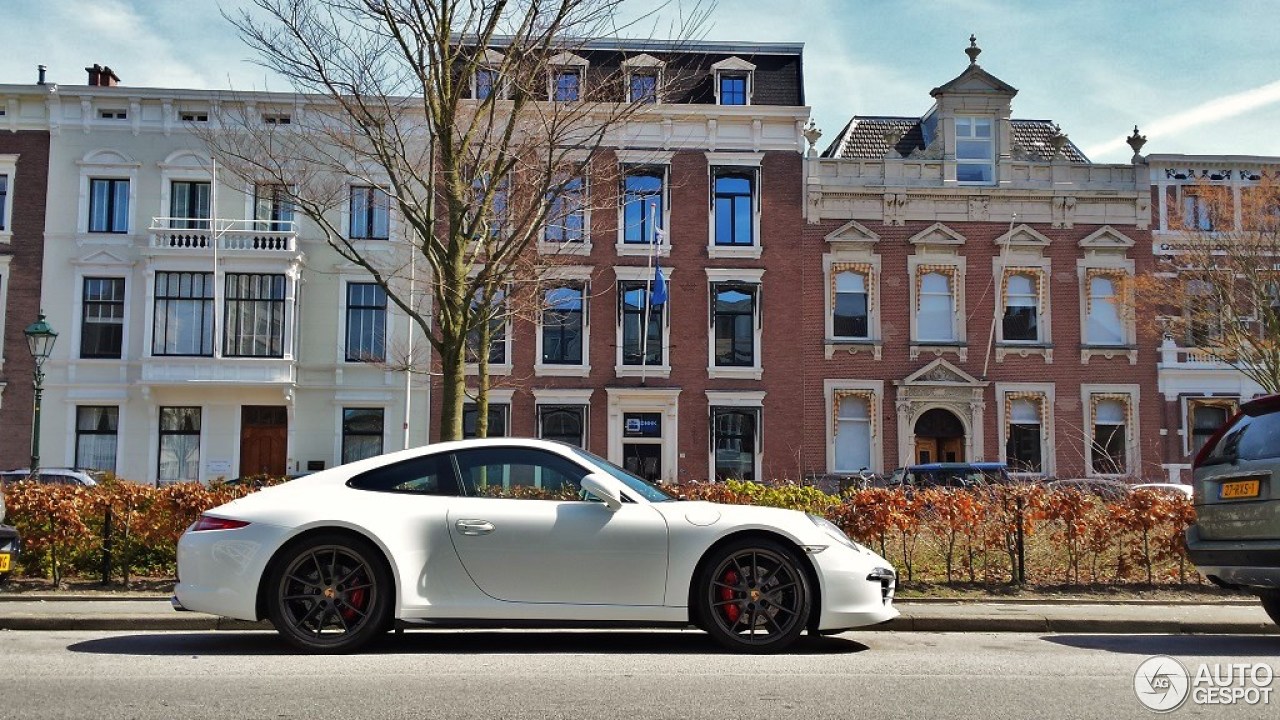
(1219, 288)
(452, 114)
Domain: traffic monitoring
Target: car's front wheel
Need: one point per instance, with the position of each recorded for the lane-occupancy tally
(754, 596)
(330, 593)
(1271, 603)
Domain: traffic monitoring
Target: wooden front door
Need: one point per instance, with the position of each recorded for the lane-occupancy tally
(933, 450)
(264, 436)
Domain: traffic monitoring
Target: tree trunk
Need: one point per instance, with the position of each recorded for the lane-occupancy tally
(452, 391)
(482, 386)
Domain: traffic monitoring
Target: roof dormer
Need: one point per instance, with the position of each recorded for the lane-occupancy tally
(734, 81)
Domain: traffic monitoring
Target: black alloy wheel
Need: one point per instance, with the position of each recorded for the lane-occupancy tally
(754, 596)
(330, 594)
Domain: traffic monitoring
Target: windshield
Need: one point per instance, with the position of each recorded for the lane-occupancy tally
(643, 488)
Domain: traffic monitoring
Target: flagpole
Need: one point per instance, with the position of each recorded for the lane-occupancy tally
(648, 296)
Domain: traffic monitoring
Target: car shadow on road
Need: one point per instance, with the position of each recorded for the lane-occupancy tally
(452, 642)
(1184, 645)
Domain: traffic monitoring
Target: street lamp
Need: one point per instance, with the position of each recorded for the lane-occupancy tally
(40, 339)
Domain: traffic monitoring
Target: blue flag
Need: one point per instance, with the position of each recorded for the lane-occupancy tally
(659, 295)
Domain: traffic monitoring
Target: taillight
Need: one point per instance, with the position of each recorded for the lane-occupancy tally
(1212, 442)
(209, 522)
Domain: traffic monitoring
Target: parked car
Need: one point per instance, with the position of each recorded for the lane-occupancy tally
(508, 529)
(1235, 541)
(952, 475)
(1100, 487)
(10, 544)
(50, 476)
(1177, 489)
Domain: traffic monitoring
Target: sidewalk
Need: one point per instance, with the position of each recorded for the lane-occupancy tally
(152, 614)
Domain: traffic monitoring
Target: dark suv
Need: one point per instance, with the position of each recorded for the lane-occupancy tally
(10, 544)
(1235, 541)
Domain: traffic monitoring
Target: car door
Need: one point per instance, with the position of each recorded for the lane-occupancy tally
(525, 533)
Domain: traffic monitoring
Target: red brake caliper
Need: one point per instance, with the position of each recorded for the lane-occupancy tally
(355, 600)
(731, 610)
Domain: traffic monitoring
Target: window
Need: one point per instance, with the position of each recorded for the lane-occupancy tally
(361, 433)
(935, 313)
(643, 88)
(634, 303)
(733, 89)
(568, 83)
(179, 444)
(974, 150)
(194, 116)
(498, 416)
(563, 423)
(370, 213)
(1110, 438)
(366, 322)
(426, 475)
(562, 325)
(183, 321)
(734, 321)
(1206, 417)
(1021, 314)
(272, 208)
(108, 205)
(189, 205)
(4, 202)
(1198, 212)
(734, 207)
(642, 194)
(850, 311)
(567, 216)
(519, 473)
(1103, 326)
(97, 428)
(254, 315)
(102, 318)
(734, 441)
(1204, 318)
(487, 83)
(113, 114)
(853, 433)
(276, 119)
(497, 332)
(1023, 444)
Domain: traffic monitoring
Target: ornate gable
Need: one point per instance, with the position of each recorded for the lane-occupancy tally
(941, 372)
(1106, 238)
(937, 234)
(1023, 236)
(852, 232)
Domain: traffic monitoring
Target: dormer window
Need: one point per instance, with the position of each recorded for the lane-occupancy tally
(644, 77)
(487, 83)
(975, 156)
(733, 81)
(568, 85)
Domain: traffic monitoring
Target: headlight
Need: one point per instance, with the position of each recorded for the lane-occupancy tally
(834, 532)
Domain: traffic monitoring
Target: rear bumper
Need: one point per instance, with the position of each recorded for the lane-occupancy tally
(10, 543)
(1245, 564)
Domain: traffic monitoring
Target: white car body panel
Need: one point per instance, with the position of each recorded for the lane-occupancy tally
(543, 560)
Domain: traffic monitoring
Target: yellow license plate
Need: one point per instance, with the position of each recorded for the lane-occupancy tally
(4, 562)
(1241, 489)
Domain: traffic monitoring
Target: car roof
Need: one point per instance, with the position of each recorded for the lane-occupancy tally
(931, 467)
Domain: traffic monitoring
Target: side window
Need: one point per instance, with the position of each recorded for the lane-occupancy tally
(1259, 439)
(518, 473)
(426, 475)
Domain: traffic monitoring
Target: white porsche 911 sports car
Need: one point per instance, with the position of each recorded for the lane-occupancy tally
(511, 530)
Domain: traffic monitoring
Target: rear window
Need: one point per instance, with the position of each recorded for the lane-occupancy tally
(426, 475)
(1249, 438)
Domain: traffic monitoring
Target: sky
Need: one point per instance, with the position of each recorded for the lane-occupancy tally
(1196, 76)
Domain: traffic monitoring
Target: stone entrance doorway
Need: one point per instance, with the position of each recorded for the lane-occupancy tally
(940, 415)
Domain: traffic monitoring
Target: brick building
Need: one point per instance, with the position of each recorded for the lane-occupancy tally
(24, 164)
(719, 158)
(964, 281)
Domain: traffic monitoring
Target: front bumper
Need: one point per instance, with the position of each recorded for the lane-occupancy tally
(1240, 564)
(857, 588)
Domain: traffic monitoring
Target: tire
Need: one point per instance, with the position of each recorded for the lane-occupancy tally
(330, 593)
(1271, 603)
(753, 596)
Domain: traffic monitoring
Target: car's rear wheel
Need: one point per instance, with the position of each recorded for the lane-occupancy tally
(1271, 603)
(330, 593)
(754, 596)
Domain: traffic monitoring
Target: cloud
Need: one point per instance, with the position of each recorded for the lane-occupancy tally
(1206, 113)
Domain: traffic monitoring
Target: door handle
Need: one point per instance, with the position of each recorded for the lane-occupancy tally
(474, 527)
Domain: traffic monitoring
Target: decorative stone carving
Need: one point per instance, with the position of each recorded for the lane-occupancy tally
(1064, 211)
(980, 208)
(895, 208)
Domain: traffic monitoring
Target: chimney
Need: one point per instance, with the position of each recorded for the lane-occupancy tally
(102, 76)
(40, 69)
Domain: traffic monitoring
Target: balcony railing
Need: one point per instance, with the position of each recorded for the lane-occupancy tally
(1171, 354)
(185, 235)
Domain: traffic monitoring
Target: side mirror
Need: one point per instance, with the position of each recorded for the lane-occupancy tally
(603, 489)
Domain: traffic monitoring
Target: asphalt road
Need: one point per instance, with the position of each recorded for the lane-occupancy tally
(581, 675)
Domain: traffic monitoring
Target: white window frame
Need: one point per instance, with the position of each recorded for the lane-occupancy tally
(342, 407)
(989, 161)
(746, 276)
(920, 265)
(497, 396)
(734, 67)
(155, 454)
(1048, 445)
(1132, 434)
(492, 61)
(748, 164)
(632, 273)
(551, 247)
(562, 63)
(6, 278)
(503, 368)
(344, 281)
(346, 214)
(9, 169)
(639, 159)
(110, 165)
(75, 428)
(560, 397)
(566, 276)
(875, 390)
(103, 271)
(753, 400)
(644, 64)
